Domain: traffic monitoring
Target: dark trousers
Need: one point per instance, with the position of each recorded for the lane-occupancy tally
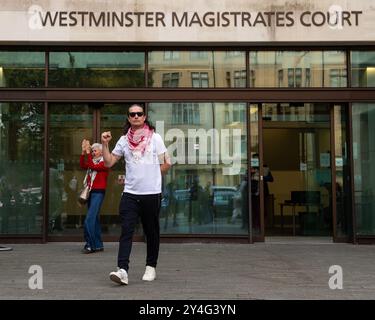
(148, 208)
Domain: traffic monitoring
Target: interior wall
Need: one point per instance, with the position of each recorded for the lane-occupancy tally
(281, 148)
(281, 155)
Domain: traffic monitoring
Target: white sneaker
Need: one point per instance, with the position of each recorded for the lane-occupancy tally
(120, 276)
(150, 274)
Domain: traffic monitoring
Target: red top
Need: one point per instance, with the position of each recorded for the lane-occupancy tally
(100, 181)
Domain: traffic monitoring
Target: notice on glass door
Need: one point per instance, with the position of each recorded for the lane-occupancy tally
(325, 159)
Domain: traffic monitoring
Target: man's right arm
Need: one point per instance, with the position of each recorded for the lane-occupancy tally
(109, 158)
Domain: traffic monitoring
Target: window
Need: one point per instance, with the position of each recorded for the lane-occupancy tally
(209, 165)
(363, 68)
(170, 80)
(96, 69)
(240, 79)
(199, 79)
(235, 53)
(185, 113)
(22, 69)
(307, 77)
(297, 69)
(294, 77)
(298, 72)
(226, 117)
(239, 113)
(171, 55)
(337, 77)
(252, 78)
(197, 69)
(280, 77)
(21, 167)
(196, 55)
(228, 79)
(234, 112)
(290, 77)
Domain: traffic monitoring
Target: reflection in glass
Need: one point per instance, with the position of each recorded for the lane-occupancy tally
(343, 182)
(295, 112)
(197, 69)
(201, 192)
(363, 68)
(364, 173)
(96, 69)
(297, 69)
(112, 118)
(69, 125)
(254, 173)
(22, 69)
(21, 168)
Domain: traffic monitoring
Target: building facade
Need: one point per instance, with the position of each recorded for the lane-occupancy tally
(267, 109)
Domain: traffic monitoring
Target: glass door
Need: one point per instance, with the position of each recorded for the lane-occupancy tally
(295, 171)
(254, 175)
(69, 124)
(204, 192)
(343, 213)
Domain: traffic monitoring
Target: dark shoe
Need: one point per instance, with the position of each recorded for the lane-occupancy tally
(87, 250)
(99, 249)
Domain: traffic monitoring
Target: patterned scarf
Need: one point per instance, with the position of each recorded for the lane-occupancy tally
(138, 140)
(91, 174)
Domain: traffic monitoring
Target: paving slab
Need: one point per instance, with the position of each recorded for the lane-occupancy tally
(277, 269)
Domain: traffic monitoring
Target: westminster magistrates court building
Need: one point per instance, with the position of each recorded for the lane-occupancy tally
(267, 108)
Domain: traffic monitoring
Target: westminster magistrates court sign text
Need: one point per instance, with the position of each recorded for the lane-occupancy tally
(186, 21)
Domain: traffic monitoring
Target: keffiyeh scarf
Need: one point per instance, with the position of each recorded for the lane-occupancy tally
(138, 140)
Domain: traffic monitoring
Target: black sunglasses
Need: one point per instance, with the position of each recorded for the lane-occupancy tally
(139, 114)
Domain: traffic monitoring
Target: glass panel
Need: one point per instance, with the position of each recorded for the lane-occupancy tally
(69, 125)
(343, 182)
(96, 69)
(364, 172)
(197, 69)
(296, 139)
(254, 174)
(22, 69)
(21, 168)
(296, 69)
(363, 68)
(112, 118)
(335, 69)
(294, 112)
(202, 192)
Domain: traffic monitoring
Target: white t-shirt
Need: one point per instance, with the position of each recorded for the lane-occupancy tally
(142, 176)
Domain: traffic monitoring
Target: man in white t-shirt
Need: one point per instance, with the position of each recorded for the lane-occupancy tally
(146, 159)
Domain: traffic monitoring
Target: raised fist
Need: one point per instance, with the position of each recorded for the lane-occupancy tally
(106, 137)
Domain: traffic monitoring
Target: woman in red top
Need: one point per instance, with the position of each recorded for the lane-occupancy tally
(97, 175)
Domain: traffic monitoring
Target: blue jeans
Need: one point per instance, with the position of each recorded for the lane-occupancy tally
(92, 228)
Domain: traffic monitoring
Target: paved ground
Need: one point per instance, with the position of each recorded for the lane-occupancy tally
(278, 269)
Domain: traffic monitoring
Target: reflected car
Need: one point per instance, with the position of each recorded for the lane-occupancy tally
(32, 195)
(182, 195)
(223, 200)
(164, 202)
